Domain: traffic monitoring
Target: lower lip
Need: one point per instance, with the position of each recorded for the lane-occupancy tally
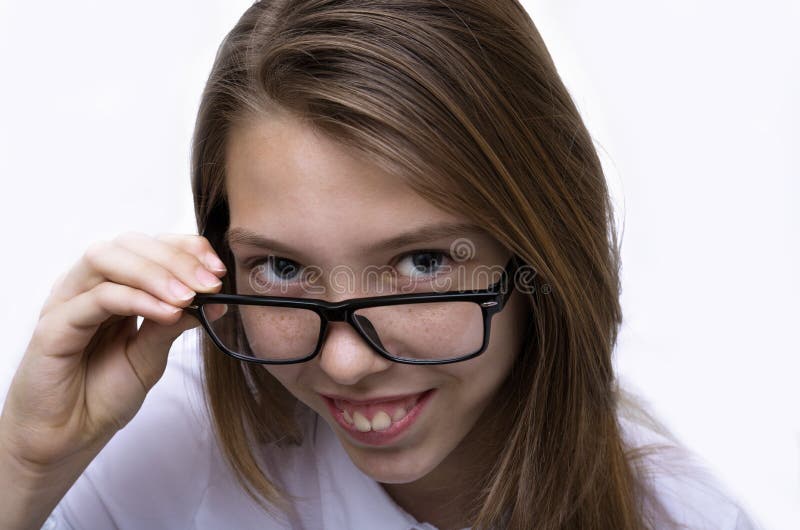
(395, 430)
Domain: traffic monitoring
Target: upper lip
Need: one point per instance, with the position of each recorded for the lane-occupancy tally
(371, 400)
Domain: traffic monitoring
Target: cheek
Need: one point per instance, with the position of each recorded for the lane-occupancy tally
(489, 370)
(290, 376)
(508, 331)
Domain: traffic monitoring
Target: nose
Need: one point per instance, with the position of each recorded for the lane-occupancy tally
(346, 357)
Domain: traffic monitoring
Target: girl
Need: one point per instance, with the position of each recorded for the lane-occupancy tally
(408, 286)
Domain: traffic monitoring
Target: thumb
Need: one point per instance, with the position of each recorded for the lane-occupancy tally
(148, 349)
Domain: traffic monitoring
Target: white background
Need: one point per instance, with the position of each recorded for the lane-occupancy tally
(694, 109)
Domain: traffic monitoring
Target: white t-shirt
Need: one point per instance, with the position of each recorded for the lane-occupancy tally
(164, 470)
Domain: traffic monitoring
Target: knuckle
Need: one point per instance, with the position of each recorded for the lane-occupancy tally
(184, 242)
(149, 274)
(128, 237)
(198, 244)
(46, 306)
(113, 297)
(160, 285)
(102, 291)
(56, 287)
(54, 296)
(187, 261)
(43, 338)
(94, 251)
(168, 236)
(42, 326)
(59, 281)
(165, 275)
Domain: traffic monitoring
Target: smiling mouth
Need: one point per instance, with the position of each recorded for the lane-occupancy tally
(367, 417)
(378, 422)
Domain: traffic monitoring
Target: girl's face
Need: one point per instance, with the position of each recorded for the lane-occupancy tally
(323, 206)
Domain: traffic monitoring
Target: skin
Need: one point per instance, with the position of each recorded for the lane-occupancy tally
(325, 203)
(87, 368)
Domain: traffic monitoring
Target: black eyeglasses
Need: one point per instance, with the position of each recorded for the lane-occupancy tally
(413, 328)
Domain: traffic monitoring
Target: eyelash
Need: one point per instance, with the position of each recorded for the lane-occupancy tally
(264, 260)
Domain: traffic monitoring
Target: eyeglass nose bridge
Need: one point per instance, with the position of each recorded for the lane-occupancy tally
(362, 325)
(335, 314)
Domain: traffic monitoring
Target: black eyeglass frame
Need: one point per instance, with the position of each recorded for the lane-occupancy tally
(491, 301)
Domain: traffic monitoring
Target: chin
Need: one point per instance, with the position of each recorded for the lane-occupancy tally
(392, 466)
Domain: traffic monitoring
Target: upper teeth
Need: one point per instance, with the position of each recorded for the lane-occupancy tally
(383, 414)
(399, 414)
(380, 421)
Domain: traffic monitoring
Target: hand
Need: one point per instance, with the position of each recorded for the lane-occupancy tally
(87, 369)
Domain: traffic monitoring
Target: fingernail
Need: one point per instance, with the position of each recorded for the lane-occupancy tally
(214, 262)
(179, 290)
(206, 278)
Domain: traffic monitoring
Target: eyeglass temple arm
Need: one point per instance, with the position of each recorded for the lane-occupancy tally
(194, 311)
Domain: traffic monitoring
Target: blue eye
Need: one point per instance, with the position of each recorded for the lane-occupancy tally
(422, 263)
(276, 269)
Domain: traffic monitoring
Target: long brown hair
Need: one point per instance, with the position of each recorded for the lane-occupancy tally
(462, 100)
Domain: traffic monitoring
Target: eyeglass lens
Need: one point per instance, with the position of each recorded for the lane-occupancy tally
(416, 331)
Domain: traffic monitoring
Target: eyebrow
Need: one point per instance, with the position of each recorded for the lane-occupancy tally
(423, 234)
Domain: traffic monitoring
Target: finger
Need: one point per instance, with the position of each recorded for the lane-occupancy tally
(82, 277)
(148, 349)
(53, 292)
(110, 261)
(197, 245)
(68, 328)
(184, 258)
(77, 279)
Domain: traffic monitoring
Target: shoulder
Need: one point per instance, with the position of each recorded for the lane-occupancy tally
(678, 485)
(164, 469)
(157, 466)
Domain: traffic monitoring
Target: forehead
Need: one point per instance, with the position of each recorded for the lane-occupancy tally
(289, 182)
